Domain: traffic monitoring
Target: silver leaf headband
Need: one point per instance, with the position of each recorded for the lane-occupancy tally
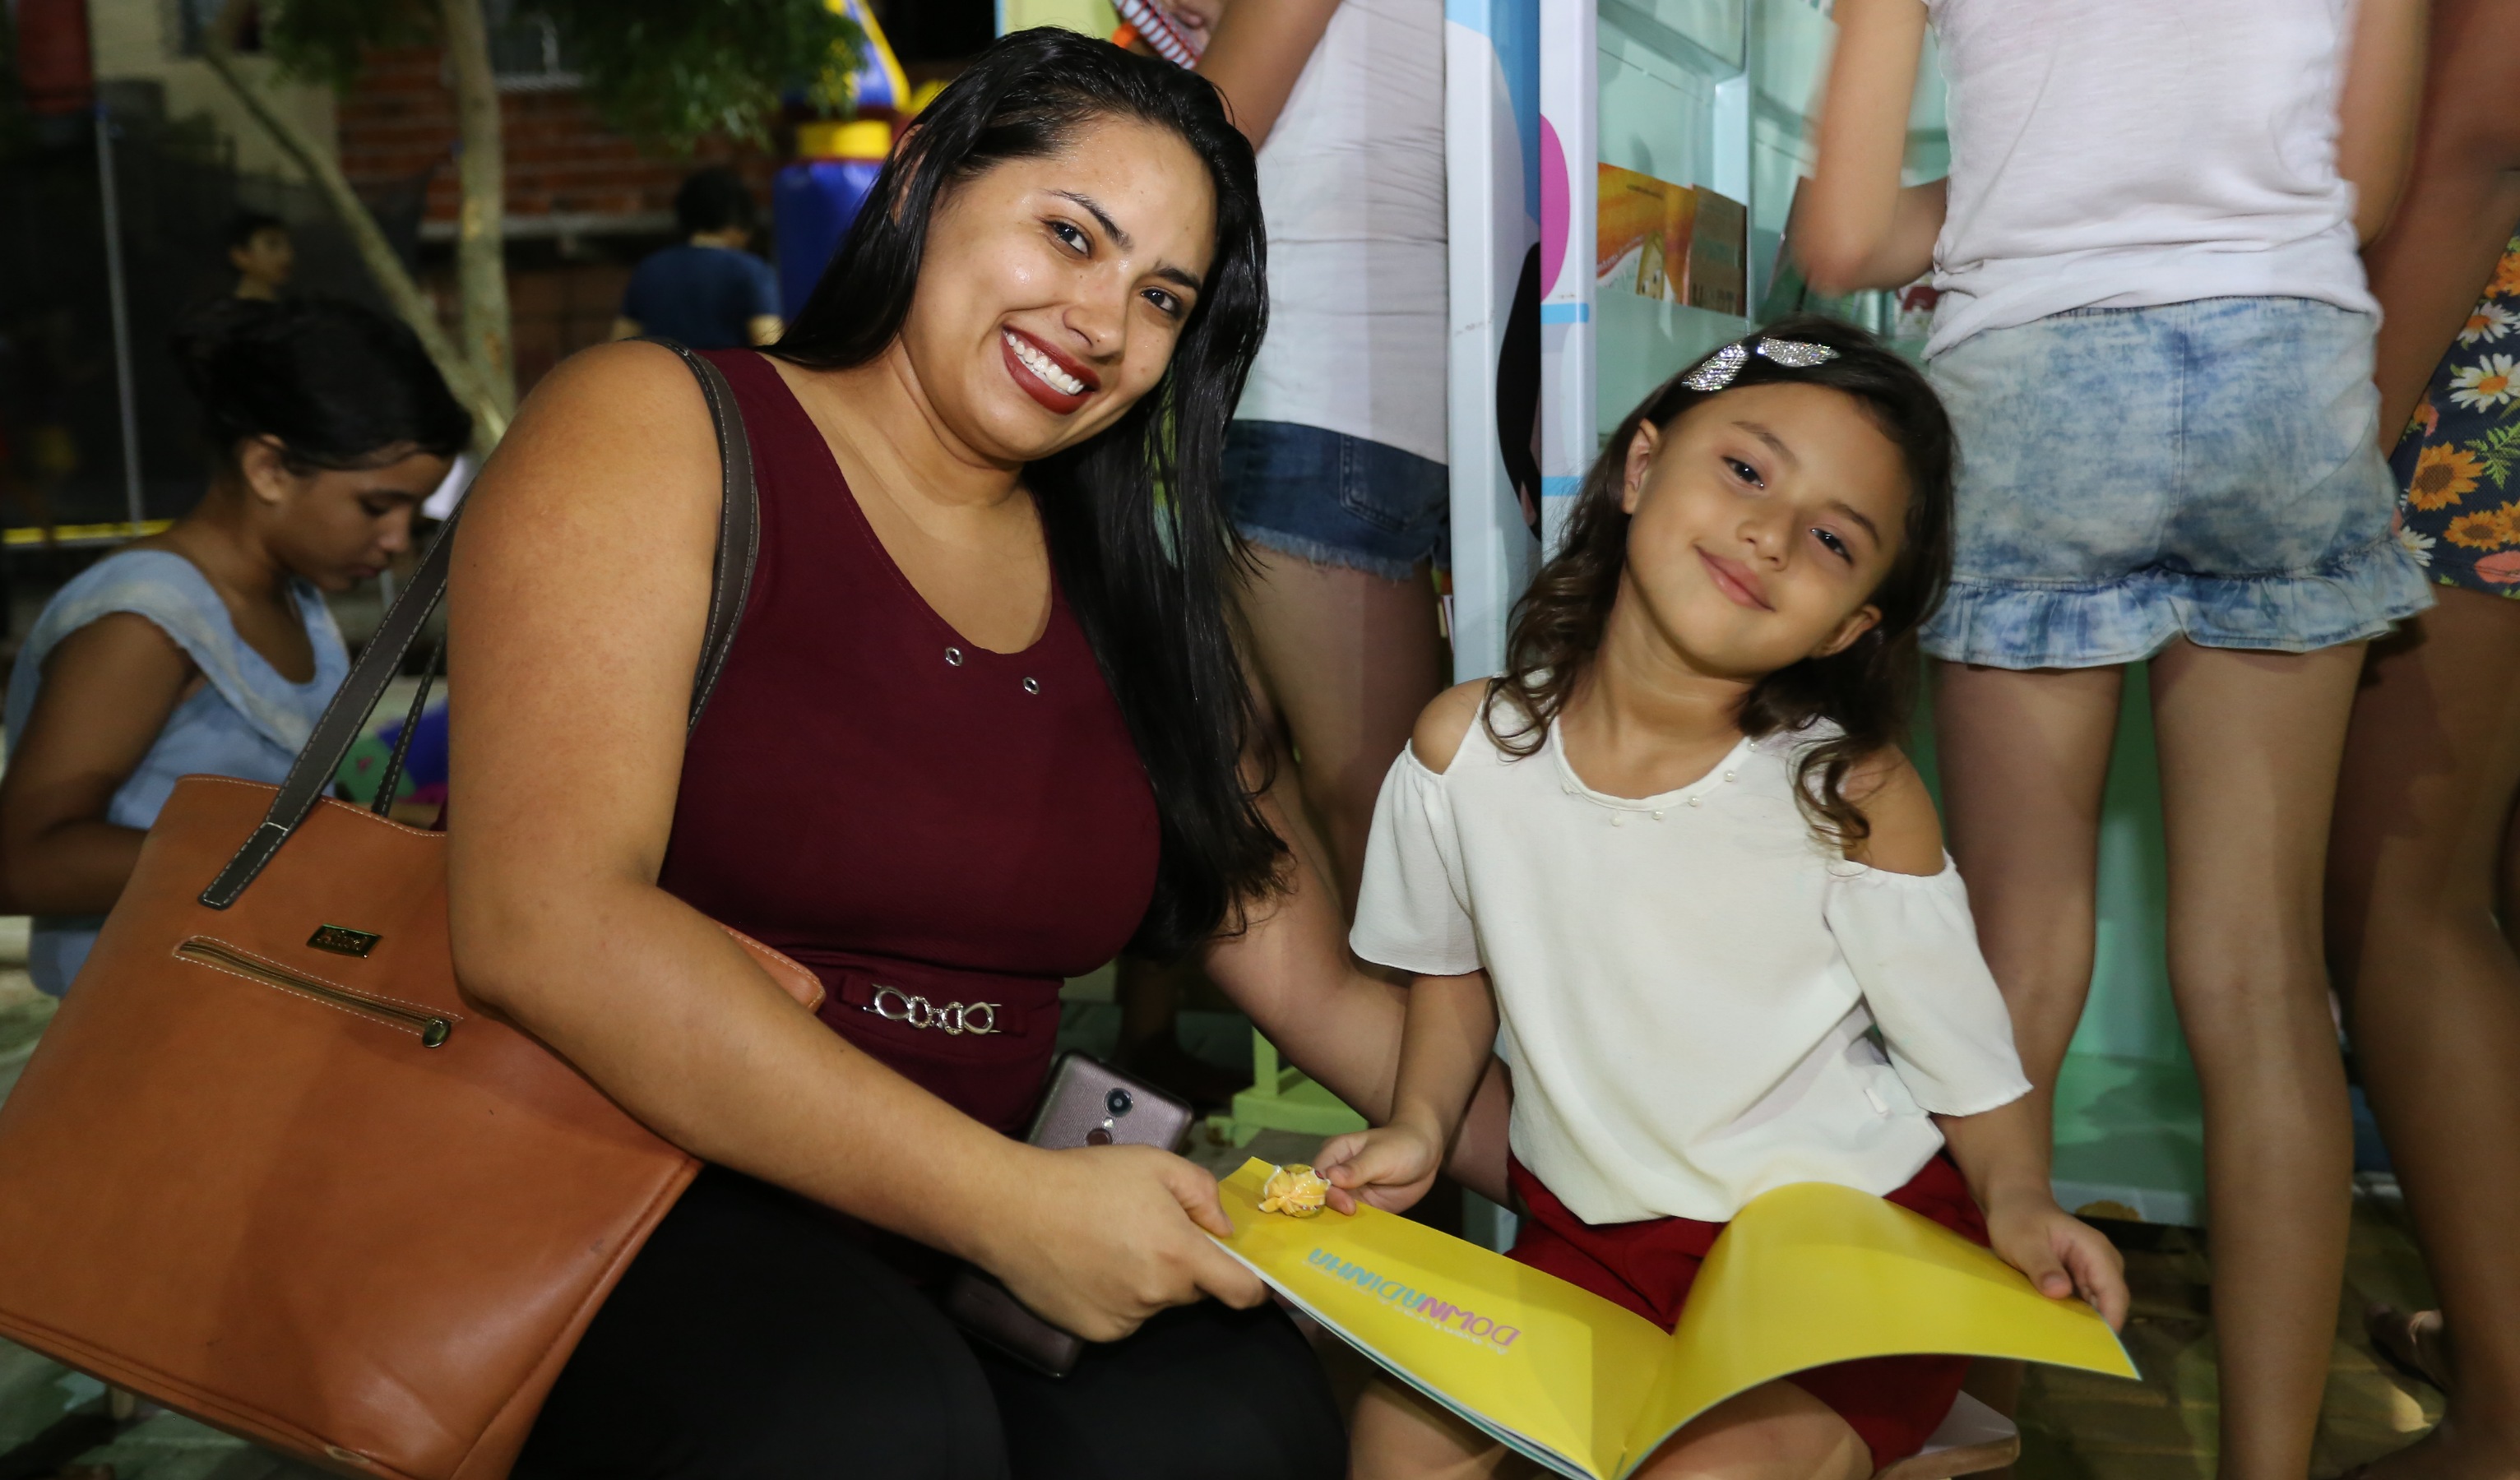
(1726, 363)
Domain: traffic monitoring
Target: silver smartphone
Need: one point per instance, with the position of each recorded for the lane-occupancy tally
(1088, 1103)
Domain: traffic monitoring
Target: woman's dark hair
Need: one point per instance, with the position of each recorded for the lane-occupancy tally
(1867, 690)
(713, 199)
(338, 385)
(1134, 517)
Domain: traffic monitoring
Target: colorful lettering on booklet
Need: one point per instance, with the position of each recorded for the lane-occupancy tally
(1452, 1319)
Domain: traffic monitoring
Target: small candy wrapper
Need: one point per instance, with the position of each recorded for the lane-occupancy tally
(1297, 1190)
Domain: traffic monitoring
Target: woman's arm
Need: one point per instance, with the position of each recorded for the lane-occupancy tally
(2460, 207)
(107, 690)
(1448, 1038)
(2375, 112)
(1258, 52)
(1854, 226)
(1290, 973)
(576, 608)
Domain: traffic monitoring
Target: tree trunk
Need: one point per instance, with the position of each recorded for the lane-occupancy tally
(480, 240)
(491, 414)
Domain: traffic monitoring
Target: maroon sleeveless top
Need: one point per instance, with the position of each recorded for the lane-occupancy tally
(941, 833)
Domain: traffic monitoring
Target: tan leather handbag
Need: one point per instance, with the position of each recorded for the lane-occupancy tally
(271, 1168)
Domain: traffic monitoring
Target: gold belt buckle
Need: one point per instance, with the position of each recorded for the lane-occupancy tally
(955, 1018)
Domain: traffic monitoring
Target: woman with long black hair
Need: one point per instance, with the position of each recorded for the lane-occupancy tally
(981, 726)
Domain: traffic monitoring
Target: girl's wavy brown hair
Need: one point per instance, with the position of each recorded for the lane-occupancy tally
(1868, 691)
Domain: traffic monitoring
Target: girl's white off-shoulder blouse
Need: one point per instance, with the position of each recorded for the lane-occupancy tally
(1699, 999)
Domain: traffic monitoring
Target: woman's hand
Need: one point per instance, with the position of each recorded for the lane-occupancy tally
(2060, 1253)
(1389, 1167)
(1096, 1240)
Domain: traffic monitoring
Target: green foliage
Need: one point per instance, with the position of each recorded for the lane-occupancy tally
(323, 41)
(667, 73)
(2496, 450)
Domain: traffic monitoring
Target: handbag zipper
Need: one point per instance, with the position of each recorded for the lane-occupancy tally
(431, 1028)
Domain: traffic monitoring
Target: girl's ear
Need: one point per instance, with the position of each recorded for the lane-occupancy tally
(1860, 621)
(1641, 455)
(265, 466)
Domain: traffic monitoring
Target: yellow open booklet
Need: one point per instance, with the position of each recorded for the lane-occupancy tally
(1806, 1275)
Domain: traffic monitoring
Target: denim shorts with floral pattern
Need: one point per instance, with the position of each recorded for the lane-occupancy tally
(2130, 477)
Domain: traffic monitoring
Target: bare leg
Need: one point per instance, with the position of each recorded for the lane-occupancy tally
(2507, 895)
(1348, 661)
(1773, 1432)
(2423, 813)
(2024, 758)
(1397, 1435)
(2462, 201)
(2250, 744)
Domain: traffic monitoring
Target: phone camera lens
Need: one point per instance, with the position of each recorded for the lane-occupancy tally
(1118, 1102)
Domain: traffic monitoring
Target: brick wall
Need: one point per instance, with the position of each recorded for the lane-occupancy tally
(559, 309)
(583, 202)
(563, 165)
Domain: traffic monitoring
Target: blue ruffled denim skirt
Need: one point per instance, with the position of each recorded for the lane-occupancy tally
(2129, 476)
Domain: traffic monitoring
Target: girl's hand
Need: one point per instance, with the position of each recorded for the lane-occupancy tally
(2060, 1253)
(1389, 1167)
(1096, 1240)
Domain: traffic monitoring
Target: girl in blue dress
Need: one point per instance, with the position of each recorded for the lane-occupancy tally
(208, 648)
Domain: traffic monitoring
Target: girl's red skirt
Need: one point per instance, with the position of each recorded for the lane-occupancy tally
(1893, 1402)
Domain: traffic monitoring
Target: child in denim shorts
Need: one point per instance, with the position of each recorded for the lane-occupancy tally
(2155, 341)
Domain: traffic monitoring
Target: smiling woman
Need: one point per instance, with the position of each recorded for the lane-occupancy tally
(979, 727)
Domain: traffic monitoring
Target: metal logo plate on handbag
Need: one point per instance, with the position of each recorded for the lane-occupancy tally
(341, 940)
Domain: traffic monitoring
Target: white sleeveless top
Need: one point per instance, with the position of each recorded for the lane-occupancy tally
(1352, 184)
(2115, 153)
(1687, 984)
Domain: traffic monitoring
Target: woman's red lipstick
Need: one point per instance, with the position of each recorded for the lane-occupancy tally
(1052, 398)
(1734, 580)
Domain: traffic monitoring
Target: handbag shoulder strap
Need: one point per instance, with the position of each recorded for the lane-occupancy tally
(739, 543)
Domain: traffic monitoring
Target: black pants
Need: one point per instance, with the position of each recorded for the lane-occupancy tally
(754, 1340)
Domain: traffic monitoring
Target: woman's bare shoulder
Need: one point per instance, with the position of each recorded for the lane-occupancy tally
(626, 384)
(615, 440)
(1444, 724)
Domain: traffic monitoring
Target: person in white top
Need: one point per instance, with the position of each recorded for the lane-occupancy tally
(1335, 459)
(1675, 867)
(2156, 342)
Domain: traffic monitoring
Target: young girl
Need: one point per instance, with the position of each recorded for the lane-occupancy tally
(1676, 856)
(2156, 344)
(209, 648)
